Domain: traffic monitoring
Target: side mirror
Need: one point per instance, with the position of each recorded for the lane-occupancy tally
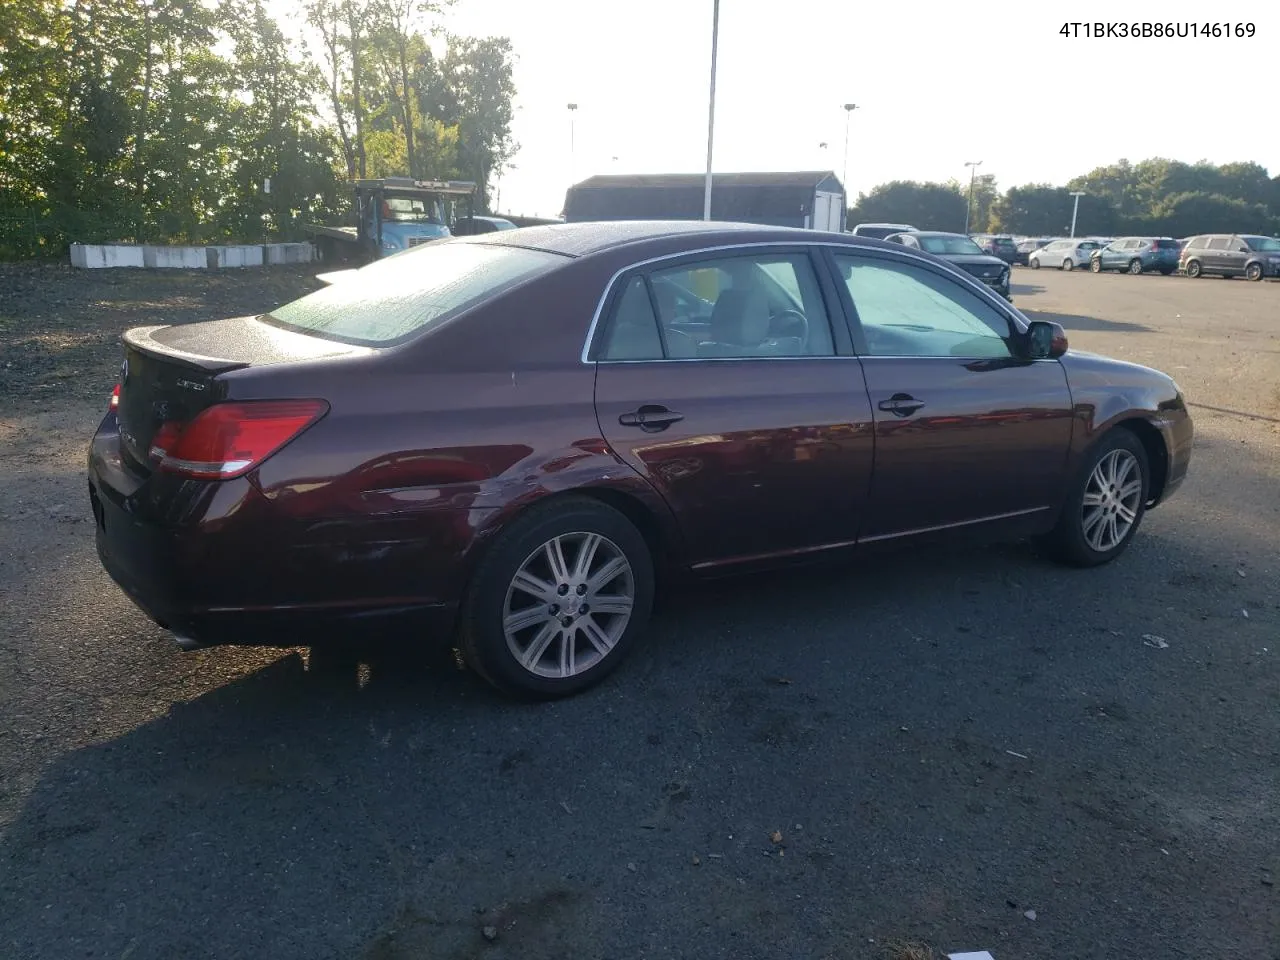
(1046, 340)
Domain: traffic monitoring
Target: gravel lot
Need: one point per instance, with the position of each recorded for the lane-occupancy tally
(831, 764)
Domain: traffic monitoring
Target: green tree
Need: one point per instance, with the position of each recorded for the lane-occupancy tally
(929, 206)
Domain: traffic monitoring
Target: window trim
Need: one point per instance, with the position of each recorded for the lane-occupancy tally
(602, 321)
(819, 252)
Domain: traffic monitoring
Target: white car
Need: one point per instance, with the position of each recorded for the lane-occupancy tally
(1063, 254)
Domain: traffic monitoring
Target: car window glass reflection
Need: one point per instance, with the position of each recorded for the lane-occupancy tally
(905, 311)
(748, 307)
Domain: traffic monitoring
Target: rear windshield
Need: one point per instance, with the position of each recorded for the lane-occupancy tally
(403, 295)
(1003, 241)
(1165, 244)
(1268, 244)
(944, 245)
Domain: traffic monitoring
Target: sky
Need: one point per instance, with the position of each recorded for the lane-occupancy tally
(937, 84)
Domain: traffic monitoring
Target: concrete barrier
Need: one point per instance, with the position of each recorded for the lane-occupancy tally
(276, 253)
(244, 255)
(91, 256)
(97, 256)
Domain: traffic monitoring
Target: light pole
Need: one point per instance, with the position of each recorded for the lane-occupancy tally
(848, 115)
(711, 108)
(973, 166)
(573, 110)
(1075, 208)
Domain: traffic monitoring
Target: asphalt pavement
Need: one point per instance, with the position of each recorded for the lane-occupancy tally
(965, 749)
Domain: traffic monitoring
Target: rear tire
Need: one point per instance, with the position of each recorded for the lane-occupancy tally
(1106, 504)
(1068, 265)
(526, 623)
(1253, 272)
(1194, 270)
(1135, 267)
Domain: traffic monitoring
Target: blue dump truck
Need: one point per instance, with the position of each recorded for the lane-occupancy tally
(392, 215)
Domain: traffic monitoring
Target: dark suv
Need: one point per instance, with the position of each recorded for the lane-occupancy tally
(1137, 255)
(997, 246)
(1231, 255)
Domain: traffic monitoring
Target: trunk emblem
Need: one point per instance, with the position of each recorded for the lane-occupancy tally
(191, 385)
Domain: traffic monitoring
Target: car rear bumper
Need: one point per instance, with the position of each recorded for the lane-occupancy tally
(215, 562)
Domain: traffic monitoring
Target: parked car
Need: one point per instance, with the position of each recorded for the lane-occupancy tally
(496, 442)
(1027, 246)
(997, 245)
(881, 230)
(1137, 255)
(470, 226)
(1231, 255)
(1063, 254)
(963, 252)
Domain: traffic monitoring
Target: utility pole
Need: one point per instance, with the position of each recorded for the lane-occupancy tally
(573, 112)
(848, 114)
(711, 108)
(1075, 208)
(973, 166)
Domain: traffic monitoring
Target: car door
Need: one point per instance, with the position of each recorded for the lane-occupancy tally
(1216, 258)
(752, 422)
(966, 430)
(1052, 255)
(1237, 257)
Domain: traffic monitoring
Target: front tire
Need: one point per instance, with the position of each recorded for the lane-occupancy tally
(1106, 505)
(1253, 272)
(1096, 264)
(558, 601)
(1034, 263)
(1068, 265)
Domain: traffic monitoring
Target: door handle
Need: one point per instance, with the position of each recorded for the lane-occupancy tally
(901, 404)
(650, 418)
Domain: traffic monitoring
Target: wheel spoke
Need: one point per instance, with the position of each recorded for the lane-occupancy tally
(606, 575)
(1091, 521)
(533, 653)
(1093, 499)
(1111, 534)
(1131, 489)
(586, 556)
(1124, 467)
(1126, 514)
(525, 618)
(554, 552)
(536, 587)
(568, 650)
(596, 636)
(612, 603)
(1098, 479)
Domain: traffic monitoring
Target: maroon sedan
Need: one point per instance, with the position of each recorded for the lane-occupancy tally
(500, 440)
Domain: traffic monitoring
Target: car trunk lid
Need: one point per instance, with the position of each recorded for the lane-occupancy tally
(171, 373)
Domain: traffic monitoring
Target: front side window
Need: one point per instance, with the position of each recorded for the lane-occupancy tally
(404, 295)
(908, 311)
(1263, 244)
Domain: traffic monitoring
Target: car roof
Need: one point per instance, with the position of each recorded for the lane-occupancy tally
(585, 239)
(937, 233)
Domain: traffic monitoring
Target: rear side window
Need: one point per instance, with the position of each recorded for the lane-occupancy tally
(1197, 243)
(633, 334)
(401, 296)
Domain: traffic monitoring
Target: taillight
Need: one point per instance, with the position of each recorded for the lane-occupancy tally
(115, 398)
(230, 439)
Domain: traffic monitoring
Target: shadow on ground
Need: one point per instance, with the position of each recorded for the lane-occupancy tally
(1072, 322)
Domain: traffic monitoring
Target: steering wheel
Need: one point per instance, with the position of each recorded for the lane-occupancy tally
(777, 326)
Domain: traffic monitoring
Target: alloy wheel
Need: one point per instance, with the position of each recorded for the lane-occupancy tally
(1135, 267)
(568, 605)
(1111, 500)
